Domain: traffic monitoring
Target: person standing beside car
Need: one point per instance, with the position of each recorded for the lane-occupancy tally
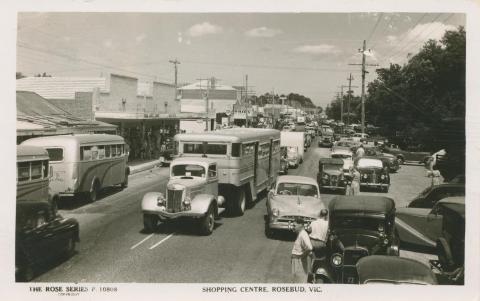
(302, 248)
(360, 152)
(318, 233)
(355, 183)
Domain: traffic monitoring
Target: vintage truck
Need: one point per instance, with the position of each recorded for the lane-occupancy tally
(192, 192)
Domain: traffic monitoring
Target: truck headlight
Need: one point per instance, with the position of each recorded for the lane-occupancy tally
(275, 212)
(337, 260)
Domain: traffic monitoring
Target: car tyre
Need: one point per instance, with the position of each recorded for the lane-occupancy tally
(385, 189)
(207, 223)
(269, 233)
(125, 182)
(150, 222)
(401, 161)
(444, 254)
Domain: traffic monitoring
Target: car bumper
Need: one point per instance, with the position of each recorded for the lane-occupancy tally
(374, 185)
(174, 215)
(333, 187)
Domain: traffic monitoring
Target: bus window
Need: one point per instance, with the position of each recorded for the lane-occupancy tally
(236, 149)
(107, 151)
(248, 149)
(45, 169)
(122, 149)
(85, 153)
(101, 152)
(216, 149)
(36, 170)
(94, 151)
(114, 150)
(23, 171)
(55, 154)
(192, 148)
(276, 146)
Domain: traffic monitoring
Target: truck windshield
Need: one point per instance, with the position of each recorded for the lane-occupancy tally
(188, 170)
(297, 189)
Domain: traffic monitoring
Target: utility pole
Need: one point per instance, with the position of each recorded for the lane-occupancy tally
(207, 107)
(349, 93)
(363, 64)
(175, 63)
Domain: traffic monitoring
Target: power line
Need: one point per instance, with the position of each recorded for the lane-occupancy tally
(375, 27)
(385, 30)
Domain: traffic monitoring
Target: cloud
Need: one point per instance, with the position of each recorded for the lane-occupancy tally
(204, 28)
(140, 38)
(262, 32)
(108, 43)
(317, 49)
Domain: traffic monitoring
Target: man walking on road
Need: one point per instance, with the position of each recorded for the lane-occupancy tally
(302, 248)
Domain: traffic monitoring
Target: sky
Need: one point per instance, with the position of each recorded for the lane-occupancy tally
(304, 53)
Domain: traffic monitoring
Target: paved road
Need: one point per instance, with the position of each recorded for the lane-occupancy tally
(113, 247)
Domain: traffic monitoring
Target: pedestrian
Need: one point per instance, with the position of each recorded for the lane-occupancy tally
(360, 151)
(355, 184)
(318, 233)
(302, 248)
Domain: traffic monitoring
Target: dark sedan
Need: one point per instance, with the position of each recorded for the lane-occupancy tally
(40, 237)
(373, 173)
(390, 160)
(432, 194)
(394, 270)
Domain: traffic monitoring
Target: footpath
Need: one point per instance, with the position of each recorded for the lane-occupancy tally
(136, 167)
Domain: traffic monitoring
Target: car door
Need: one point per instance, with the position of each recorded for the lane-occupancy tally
(418, 226)
(42, 237)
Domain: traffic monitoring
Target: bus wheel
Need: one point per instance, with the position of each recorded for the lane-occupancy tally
(125, 182)
(93, 194)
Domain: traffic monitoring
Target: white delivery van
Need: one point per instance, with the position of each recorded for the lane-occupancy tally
(294, 139)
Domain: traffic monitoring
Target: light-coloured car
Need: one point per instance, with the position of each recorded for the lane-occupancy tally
(290, 198)
(344, 154)
(192, 191)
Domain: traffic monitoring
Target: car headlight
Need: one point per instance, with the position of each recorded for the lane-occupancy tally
(187, 203)
(275, 212)
(161, 200)
(365, 176)
(337, 260)
(325, 176)
(382, 177)
(380, 228)
(385, 241)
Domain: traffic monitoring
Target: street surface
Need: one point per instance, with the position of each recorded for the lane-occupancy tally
(113, 247)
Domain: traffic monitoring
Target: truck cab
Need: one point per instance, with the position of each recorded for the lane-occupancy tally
(192, 192)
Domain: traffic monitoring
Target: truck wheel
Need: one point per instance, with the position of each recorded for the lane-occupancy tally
(150, 222)
(207, 222)
(240, 202)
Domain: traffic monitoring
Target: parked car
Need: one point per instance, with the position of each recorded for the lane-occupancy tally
(41, 236)
(432, 194)
(359, 226)
(373, 173)
(390, 160)
(381, 269)
(290, 198)
(331, 174)
(419, 228)
(192, 192)
(407, 156)
(450, 247)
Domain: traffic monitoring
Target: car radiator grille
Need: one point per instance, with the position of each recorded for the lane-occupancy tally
(351, 257)
(174, 200)
(333, 180)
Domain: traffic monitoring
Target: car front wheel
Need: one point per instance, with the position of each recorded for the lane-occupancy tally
(150, 222)
(207, 223)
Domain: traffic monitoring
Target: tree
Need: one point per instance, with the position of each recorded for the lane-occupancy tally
(19, 75)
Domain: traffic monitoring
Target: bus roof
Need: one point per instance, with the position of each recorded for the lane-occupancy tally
(28, 153)
(230, 135)
(80, 138)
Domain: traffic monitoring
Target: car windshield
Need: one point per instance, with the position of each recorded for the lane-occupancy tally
(342, 156)
(364, 223)
(370, 163)
(332, 166)
(188, 170)
(297, 189)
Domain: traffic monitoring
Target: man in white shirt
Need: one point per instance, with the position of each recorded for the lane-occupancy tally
(302, 247)
(319, 232)
(360, 152)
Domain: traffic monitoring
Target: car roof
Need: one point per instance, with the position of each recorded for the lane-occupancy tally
(193, 160)
(230, 135)
(362, 204)
(341, 150)
(296, 179)
(455, 204)
(336, 161)
(395, 269)
(31, 206)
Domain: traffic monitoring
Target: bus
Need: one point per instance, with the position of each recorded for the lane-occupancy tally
(84, 164)
(248, 161)
(32, 174)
